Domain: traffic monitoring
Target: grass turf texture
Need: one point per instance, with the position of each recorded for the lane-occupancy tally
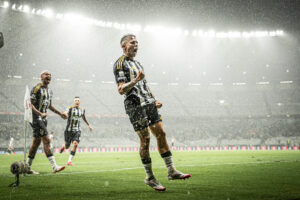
(215, 175)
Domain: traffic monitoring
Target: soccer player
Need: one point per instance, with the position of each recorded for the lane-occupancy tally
(73, 130)
(51, 137)
(142, 109)
(10, 148)
(41, 99)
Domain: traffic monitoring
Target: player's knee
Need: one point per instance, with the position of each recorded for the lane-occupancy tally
(75, 143)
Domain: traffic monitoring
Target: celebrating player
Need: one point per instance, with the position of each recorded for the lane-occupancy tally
(73, 131)
(141, 107)
(41, 100)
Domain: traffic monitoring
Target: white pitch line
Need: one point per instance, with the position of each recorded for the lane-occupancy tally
(133, 168)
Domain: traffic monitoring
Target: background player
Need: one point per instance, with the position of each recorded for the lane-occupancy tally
(73, 130)
(141, 107)
(41, 100)
(10, 148)
(51, 137)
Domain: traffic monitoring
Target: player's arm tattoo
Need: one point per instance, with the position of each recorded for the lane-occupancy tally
(125, 87)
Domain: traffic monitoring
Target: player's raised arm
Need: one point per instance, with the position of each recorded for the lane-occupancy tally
(125, 87)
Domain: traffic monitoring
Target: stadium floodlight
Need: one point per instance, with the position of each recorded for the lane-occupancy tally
(117, 25)
(194, 33)
(261, 33)
(77, 19)
(286, 82)
(5, 4)
(211, 34)
(134, 27)
(18, 77)
(151, 29)
(279, 32)
(107, 82)
(272, 33)
(239, 83)
(216, 84)
(59, 16)
(99, 23)
(151, 83)
(222, 35)
(221, 101)
(48, 13)
(109, 24)
(263, 83)
(200, 33)
(26, 8)
(186, 32)
(39, 12)
(195, 84)
(173, 84)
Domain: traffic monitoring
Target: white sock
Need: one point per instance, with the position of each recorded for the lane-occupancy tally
(169, 163)
(29, 161)
(148, 170)
(70, 158)
(52, 161)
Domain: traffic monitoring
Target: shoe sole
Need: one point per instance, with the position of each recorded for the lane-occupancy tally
(181, 178)
(60, 169)
(160, 190)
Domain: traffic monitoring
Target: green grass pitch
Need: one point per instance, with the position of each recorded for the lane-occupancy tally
(227, 175)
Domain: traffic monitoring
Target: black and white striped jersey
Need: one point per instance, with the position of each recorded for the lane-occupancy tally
(74, 115)
(41, 98)
(125, 70)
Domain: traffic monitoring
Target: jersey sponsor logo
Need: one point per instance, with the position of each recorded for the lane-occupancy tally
(121, 73)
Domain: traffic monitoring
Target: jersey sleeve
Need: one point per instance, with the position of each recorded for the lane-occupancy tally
(34, 94)
(120, 71)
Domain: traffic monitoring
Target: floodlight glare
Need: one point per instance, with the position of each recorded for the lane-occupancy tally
(5, 4)
(26, 8)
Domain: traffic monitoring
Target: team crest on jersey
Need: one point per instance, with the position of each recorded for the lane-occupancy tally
(121, 73)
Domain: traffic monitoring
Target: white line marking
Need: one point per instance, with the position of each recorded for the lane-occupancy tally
(133, 168)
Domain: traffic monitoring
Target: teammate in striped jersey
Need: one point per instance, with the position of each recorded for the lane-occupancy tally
(41, 100)
(73, 130)
(10, 148)
(142, 109)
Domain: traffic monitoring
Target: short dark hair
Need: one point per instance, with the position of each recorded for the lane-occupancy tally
(125, 37)
(76, 97)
